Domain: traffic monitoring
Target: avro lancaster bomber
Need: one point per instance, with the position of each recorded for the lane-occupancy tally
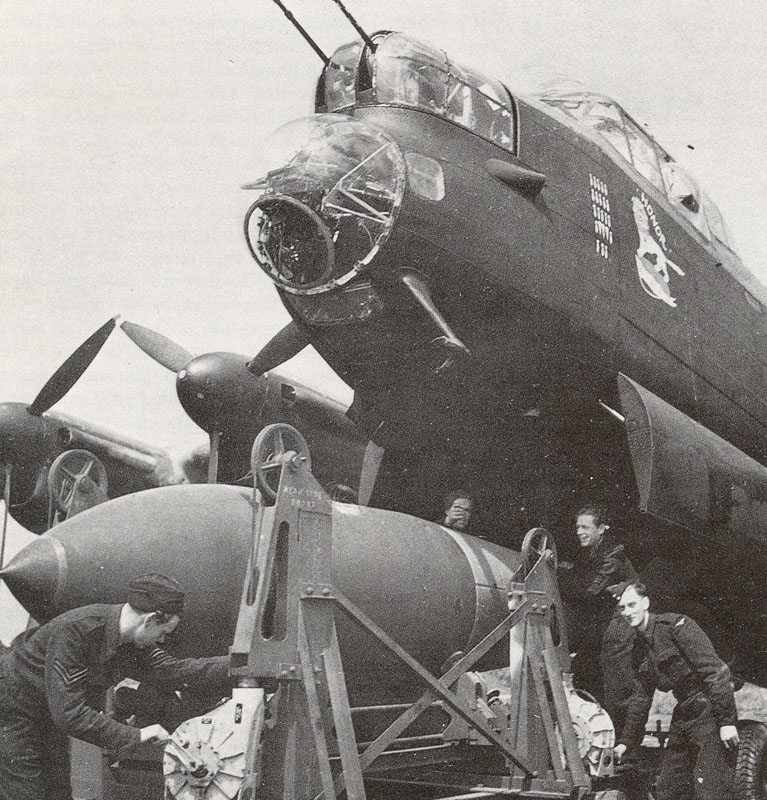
(532, 300)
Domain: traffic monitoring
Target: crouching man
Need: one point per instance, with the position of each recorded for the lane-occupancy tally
(54, 678)
(671, 653)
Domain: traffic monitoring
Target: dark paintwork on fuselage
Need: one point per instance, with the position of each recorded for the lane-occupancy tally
(541, 310)
(550, 322)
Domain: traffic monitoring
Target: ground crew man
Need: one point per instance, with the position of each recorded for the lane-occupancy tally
(593, 623)
(54, 678)
(458, 508)
(671, 653)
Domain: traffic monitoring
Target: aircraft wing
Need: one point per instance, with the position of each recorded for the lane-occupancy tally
(105, 463)
(132, 465)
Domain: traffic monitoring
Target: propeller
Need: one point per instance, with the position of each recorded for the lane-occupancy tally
(25, 438)
(175, 358)
(285, 344)
(215, 389)
(67, 375)
(371, 464)
(158, 347)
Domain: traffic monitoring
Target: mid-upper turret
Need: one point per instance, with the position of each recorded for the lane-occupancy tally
(403, 71)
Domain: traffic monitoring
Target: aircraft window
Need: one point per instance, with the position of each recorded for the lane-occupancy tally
(716, 222)
(479, 104)
(680, 186)
(341, 76)
(329, 192)
(425, 176)
(648, 158)
(606, 119)
(604, 110)
(410, 73)
(683, 193)
(575, 108)
(643, 153)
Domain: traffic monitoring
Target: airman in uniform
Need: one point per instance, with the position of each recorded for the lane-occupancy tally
(671, 653)
(458, 510)
(53, 680)
(599, 636)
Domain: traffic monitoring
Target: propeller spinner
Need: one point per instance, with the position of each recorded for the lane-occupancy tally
(215, 389)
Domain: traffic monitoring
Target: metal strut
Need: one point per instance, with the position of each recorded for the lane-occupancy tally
(286, 641)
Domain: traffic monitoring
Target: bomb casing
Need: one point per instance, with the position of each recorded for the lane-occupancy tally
(433, 590)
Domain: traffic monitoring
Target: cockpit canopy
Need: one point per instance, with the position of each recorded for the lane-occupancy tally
(403, 71)
(606, 118)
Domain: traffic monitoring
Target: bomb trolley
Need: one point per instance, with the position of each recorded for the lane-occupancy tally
(291, 730)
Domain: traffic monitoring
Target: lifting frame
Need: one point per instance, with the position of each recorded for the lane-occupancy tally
(286, 641)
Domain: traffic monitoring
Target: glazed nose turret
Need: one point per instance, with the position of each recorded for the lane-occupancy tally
(330, 192)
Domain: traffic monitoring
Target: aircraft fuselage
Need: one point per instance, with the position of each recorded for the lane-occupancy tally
(556, 253)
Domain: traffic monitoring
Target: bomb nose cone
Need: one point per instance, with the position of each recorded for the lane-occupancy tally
(34, 576)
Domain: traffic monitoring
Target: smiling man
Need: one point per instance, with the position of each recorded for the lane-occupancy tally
(597, 634)
(53, 682)
(671, 653)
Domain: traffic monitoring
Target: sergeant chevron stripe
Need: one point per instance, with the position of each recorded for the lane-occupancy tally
(158, 657)
(70, 675)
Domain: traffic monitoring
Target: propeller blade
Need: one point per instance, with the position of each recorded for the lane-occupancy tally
(371, 463)
(67, 375)
(7, 504)
(285, 344)
(215, 440)
(158, 347)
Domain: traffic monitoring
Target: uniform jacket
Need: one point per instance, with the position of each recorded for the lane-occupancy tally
(674, 654)
(596, 568)
(62, 669)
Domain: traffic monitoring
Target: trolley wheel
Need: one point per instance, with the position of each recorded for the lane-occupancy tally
(74, 472)
(275, 445)
(538, 542)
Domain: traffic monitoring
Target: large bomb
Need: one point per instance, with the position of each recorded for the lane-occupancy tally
(433, 590)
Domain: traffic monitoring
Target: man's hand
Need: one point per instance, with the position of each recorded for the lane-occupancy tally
(729, 736)
(154, 734)
(619, 751)
(565, 565)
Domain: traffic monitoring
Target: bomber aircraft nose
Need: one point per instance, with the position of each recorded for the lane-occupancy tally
(330, 192)
(34, 574)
